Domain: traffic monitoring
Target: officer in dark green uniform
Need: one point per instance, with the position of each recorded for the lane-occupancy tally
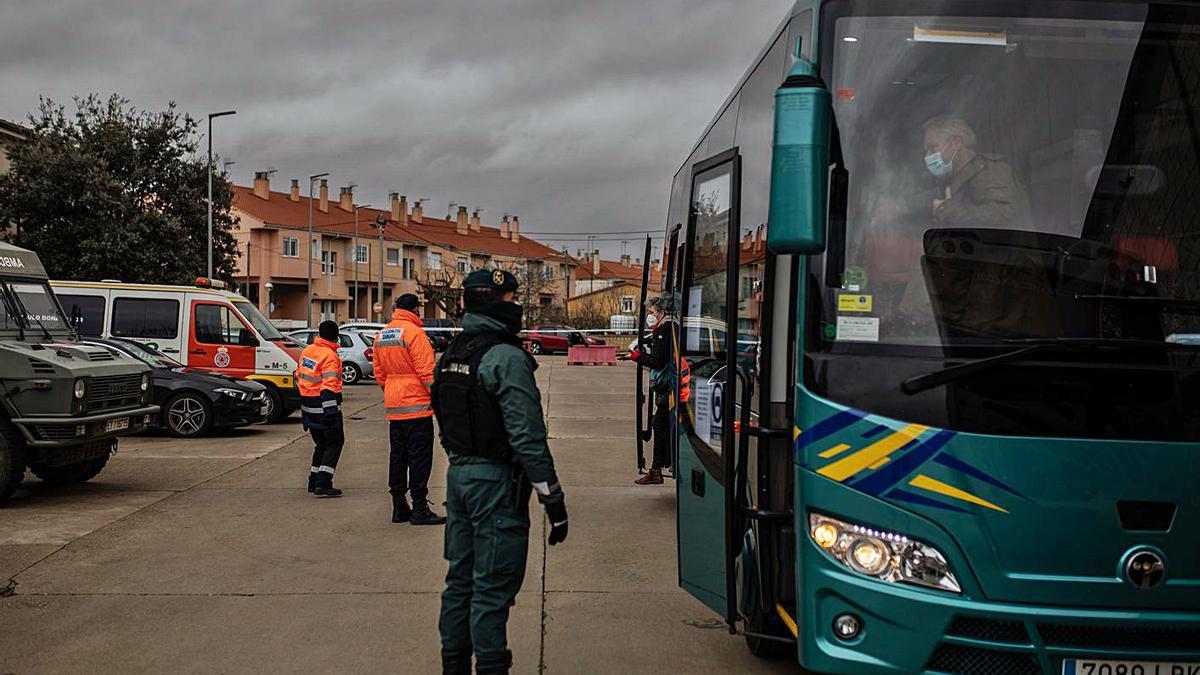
(489, 414)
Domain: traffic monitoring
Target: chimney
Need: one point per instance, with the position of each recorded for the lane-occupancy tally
(475, 224)
(262, 184)
(346, 199)
(596, 263)
(417, 213)
(403, 219)
(654, 265)
(625, 261)
(462, 226)
(394, 199)
(504, 229)
(516, 230)
(759, 242)
(295, 193)
(324, 203)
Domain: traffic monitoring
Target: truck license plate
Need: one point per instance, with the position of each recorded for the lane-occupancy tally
(116, 424)
(1091, 667)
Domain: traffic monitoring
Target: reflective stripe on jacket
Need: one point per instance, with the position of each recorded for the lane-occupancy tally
(404, 363)
(319, 378)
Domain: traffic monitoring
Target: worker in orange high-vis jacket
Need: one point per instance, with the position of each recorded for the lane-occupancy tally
(319, 377)
(404, 363)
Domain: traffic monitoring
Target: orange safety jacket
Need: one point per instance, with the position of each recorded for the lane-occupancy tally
(319, 378)
(685, 381)
(404, 363)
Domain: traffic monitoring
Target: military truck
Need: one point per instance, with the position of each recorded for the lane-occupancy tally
(62, 404)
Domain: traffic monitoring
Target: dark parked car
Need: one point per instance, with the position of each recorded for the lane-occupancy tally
(550, 339)
(193, 401)
(440, 332)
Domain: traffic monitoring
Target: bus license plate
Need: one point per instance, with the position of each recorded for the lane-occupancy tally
(117, 424)
(1090, 667)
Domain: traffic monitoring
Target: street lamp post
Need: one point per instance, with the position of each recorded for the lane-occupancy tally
(355, 258)
(312, 180)
(382, 223)
(210, 173)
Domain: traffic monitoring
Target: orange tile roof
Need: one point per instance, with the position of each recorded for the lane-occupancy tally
(279, 209)
(613, 269)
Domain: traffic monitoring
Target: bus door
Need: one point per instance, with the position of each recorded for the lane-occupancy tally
(219, 340)
(708, 297)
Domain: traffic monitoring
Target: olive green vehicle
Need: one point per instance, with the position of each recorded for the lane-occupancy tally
(62, 404)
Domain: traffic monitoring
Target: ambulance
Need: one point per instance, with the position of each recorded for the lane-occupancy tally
(203, 326)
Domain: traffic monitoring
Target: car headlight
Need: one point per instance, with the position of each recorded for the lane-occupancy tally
(887, 556)
(235, 393)
(80, 388)
(145, 381)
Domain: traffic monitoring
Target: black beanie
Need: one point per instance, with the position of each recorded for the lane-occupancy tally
(408, 302)
(328, 330)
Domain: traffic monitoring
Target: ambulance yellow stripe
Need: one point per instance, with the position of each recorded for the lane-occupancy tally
(926, 483)
(852, 464)
(834, 451)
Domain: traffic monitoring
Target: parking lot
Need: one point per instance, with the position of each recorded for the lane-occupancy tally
(208, 555)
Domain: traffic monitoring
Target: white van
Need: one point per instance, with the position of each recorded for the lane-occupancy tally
(202, 326)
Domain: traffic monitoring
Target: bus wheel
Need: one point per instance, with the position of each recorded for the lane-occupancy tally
(762, 623)
(12, 461)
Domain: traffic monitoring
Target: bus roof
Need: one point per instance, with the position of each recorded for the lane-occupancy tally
(20, 262)
(118, 285)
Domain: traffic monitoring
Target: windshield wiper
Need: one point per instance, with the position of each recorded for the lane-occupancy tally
(1185, 305)
(12, 310)
(25, 312)
(937, 378)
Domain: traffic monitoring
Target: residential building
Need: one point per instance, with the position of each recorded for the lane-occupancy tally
(10, 134)
(604, 289)
(351, 255)
(597, 274)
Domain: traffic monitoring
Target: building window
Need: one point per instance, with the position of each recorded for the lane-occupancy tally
(433, 261)
(627, 304)
(362, 254)
(464, 265)
(409, 268)
(393, 257)
(547, 271)
(329, 263)
(291, 247)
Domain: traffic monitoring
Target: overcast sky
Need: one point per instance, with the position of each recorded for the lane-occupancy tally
(572, 114)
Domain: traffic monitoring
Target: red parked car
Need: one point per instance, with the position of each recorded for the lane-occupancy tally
(550, 339)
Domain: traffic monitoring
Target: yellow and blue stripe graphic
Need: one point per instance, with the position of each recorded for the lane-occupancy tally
(885, 465)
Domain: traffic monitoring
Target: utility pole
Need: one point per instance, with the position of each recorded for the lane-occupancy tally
(210, 174)
(312, 180)
(381, 222)
(247, 267)
(356, 260)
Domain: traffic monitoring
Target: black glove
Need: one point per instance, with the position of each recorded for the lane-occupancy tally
(557, 513)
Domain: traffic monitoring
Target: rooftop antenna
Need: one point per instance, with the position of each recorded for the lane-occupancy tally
(450, 209)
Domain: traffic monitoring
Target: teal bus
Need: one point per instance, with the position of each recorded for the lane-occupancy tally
(952, 420)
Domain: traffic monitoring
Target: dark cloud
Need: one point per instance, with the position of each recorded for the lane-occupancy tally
(574, 115)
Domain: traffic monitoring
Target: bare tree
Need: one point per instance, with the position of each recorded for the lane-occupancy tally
(532, 284)
(443, 288)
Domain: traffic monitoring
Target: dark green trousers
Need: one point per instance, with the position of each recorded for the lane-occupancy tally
(487, 542)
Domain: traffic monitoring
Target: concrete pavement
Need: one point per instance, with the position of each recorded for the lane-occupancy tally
(208, 555)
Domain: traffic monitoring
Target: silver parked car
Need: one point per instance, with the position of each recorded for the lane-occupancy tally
(355, 352)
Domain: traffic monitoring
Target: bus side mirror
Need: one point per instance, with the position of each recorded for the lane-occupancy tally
(800, 163)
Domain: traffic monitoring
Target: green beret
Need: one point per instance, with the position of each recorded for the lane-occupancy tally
(497, 279)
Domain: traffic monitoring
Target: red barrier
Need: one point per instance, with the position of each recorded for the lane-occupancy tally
(592, 355)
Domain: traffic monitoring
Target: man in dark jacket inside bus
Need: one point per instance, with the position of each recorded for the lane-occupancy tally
(661, 359)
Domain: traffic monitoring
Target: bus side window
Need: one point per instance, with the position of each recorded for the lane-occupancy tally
(86, 313)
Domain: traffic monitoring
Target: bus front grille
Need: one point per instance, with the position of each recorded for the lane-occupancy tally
(989, 630)
(1120, 637)
(962, 660)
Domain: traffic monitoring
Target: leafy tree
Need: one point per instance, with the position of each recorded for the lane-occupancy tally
(113, 192)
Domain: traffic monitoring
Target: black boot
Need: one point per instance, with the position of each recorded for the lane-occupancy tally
(325, 487)
(423, 515)
(456, 662)
(312, 481)
(497, 664)
(401, 512)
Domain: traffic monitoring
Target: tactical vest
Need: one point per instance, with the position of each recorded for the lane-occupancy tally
(469, 417)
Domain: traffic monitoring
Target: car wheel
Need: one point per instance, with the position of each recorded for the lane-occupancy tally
(275, 412)
(350, 373)
(71, 474)
(187, 415)
(12, 460)
(535, 347)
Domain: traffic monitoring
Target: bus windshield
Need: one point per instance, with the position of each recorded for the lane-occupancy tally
(1013, 177)
(261, 323)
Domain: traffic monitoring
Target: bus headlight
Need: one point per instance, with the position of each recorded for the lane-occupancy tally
(887, 556)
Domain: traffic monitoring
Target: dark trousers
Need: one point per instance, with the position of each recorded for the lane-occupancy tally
(327, 442)
(661, 427)
(411, 457)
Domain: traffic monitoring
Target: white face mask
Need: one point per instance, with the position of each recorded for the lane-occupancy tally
(651, 320)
